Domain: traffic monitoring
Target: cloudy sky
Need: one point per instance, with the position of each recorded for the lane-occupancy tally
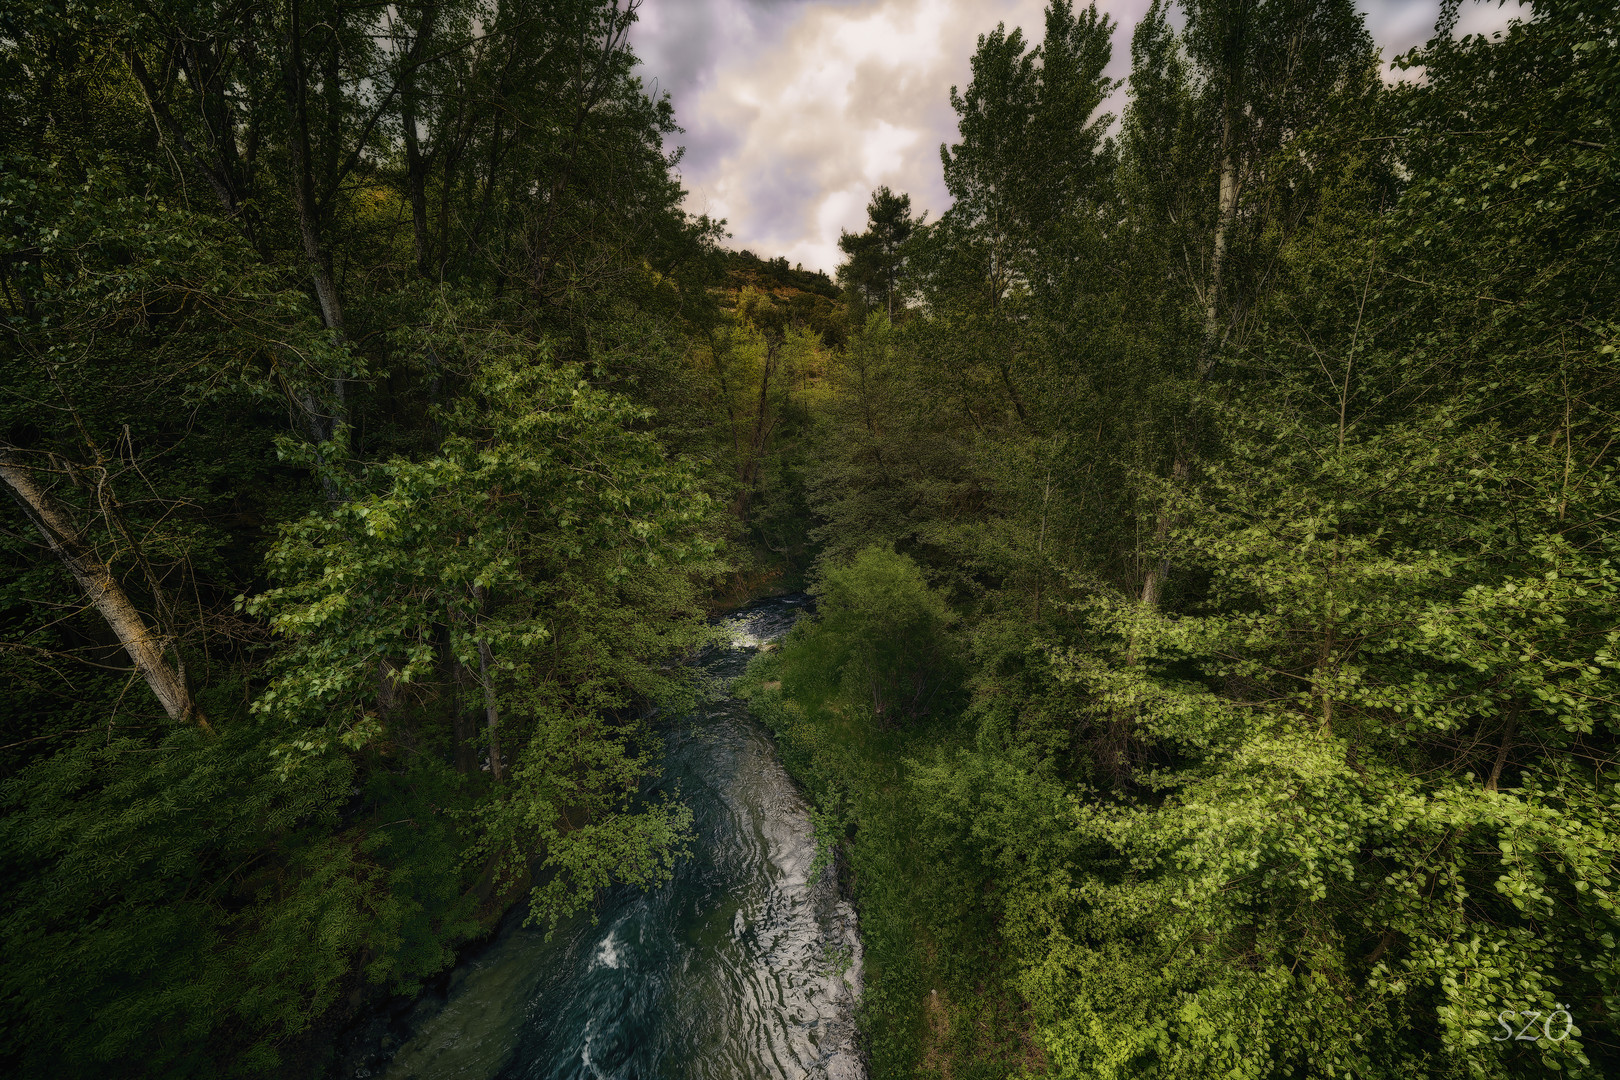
(795, 110)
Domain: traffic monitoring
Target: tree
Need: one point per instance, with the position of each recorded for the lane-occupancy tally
(758, 367)
(1227, 123)
(121, 317)
(1335, 798)
(557, 550)
(881, 640)
(876, 266)
(1032, 148)
(224, 223)
(1374, 726)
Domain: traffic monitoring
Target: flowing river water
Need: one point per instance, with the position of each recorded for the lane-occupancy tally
(740, 967)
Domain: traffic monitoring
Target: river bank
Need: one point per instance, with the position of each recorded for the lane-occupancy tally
(939, 997)
(359, 1035)
(745, 964)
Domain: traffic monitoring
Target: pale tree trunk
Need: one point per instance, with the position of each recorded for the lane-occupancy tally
(1502, 751)
(305, 201)
(461, 731)
(144, 645)
(1153, 583)
(492, 709)
(387, 687)
(1217, 259)
(307, 205)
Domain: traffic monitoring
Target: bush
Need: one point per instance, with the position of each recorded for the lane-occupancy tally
(882, 639)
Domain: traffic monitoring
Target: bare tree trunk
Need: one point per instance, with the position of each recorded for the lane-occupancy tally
(218, 178)
(461, 732)
(145, 646)
(387, 688)
(492, 709)
(303, 179)
(1502, 751)
(307, 206)
(759, 438)
(416, 165)
(320, 264)
(1153, 584)
(416, 179)
(1217, 259)
(307, 203)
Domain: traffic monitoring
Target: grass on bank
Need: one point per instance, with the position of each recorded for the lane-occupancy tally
(938, 998)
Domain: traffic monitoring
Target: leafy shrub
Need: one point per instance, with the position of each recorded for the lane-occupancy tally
(169, 901)
(882, 639)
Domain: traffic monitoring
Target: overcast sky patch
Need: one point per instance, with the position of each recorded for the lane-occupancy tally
(795, 110)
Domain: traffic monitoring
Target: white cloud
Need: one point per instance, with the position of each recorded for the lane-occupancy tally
(796, 109)
(883, 149)
(798, 120)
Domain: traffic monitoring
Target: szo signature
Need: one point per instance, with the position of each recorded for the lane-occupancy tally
(1546, 1025)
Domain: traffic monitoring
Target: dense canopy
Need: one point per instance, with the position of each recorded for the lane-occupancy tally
(1211, 517)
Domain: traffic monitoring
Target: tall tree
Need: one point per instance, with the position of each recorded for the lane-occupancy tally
(875, 266)
(1218, 130)
(225, 222)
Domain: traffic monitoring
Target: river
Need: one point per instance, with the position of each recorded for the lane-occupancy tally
(740, 967)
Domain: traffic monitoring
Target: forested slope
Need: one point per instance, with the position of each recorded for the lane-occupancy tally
(1214, 672)
(375, 428)
(1211, 516)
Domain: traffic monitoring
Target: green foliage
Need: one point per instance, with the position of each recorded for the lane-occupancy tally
(758, 375)
(1214, 673)
(1330, 363)
(148, 360)
(551, 549)
(1383, 771)
(875, 272)
(881, 641)
(936, 984)
(269, 283)
(1032, 141)
(170, 893)
(778, 275)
